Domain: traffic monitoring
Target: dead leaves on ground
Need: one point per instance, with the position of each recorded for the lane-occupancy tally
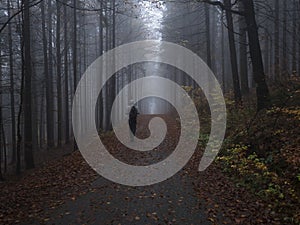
(47, 187)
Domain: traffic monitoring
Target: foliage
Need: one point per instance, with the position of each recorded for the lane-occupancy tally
(262, 153)
(261, 149)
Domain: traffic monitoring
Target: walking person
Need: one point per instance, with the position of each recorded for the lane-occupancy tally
(133, 121)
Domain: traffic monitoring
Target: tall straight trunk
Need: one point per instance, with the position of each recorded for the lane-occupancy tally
(84, 43)
(233, 57)
(74, 51)
(74, 45)
(298, 40)
(4, 148)
(1, 175)
(1, 142)
(223, 52)
(267, 52)
(276, 41)
(262, 91)
(29, 162)
(19, 118)
(66, 71)
(110, 91)
(113, 45)
(48, 73)
(101, 48)
(208, 38)
(58, 74)
(214, 34)
(284, 40)
(243, 54)
(34, 104)
(294, 39)
(12, 88)
(41, 127)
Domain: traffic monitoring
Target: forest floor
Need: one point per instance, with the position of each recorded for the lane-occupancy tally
(68, 191)
(254, 180)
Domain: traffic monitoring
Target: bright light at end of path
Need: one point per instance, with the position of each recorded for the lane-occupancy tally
(91, 84)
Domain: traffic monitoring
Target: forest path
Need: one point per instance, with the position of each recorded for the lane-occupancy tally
(68, 191)
(174, 201)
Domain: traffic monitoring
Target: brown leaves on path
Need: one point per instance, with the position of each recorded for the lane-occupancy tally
(47, 187)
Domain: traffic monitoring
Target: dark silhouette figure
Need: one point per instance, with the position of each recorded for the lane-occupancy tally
(132, 119)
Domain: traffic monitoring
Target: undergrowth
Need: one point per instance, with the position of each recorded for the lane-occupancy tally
(261, 150)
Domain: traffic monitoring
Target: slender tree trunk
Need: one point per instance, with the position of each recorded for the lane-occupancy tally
(19, 132)
(1, 174)
(29, 162)
(74, 53)
(276, 41)
(233, 57)
(262, 91)
(19, 118)
(298, 40)
(51, 74)
(243, 54)
(4, 148)
(42, 111)
(74, 45)
(66, 71)
(101, 49)
(284, 41)
(48, 73)
(267, 52)
(12, 88)
(1, 142)
(208, 38)
(214, 34)
(58, 74)
(294, 39)
(223, 53)
(34, 104)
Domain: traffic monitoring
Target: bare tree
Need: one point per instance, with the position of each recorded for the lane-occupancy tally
(66, 71)
(243, 53)
(58, 75)
(233, 55)
(27, 89)
(276, 41)
(12, 86)
(262, 91)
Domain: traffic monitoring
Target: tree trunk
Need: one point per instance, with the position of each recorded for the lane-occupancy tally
(262, 91)
(284, 41)
(4, 148)
(12, 88)
(207, 28)
(1, 142)
(294, 39)
(223, 53)
(101, 49)
(267, 52)
(298, 40)
(48, 75)
(74, 45)
(1, 175)
(27, 89)
(276, 41)
(58, 74)
(233, 57)
(243, 54)
(41, 127)
(19, 118)
(74, 53)
(66, 71)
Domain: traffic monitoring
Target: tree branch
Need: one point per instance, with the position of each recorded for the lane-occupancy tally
(15, 14)
(222, 6)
